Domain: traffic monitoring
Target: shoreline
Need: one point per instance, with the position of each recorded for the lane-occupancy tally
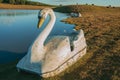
(21, 7)
(101, 28)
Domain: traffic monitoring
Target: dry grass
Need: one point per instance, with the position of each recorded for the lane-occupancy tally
(103, 39)
(85, 8)
(102, 61)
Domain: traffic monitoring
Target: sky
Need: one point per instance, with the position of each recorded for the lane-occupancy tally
(68, 2)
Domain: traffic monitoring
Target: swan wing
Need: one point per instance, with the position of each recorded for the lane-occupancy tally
(57, 50)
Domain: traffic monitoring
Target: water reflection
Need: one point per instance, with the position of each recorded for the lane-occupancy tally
(18, 29)
(16, 32)
(8, 16)
(7, 20)
(16, 12)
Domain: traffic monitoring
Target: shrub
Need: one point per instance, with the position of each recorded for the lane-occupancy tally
(12, 1)
(92, 4)
(1, 1)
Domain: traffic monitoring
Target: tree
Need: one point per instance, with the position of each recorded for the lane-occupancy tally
(92, 4)
(12, 1)
(23, 1)
(17, 1)
(5, 1)
(1, 1)
(20, 1)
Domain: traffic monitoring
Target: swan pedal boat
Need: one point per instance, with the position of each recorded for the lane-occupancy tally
(49, 56)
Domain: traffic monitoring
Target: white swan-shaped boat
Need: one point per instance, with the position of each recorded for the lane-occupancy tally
(58, 53)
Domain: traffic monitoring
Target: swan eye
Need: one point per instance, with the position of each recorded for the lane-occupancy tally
(39, 17)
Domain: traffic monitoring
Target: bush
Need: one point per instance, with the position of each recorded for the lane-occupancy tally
(33, 3)
(92, 4)
(23, 1)
(12, 1)
(1, 1)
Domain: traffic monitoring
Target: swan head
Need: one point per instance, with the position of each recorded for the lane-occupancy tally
(42, 15)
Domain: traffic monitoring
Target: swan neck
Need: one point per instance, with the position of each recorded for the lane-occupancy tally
(44, 34)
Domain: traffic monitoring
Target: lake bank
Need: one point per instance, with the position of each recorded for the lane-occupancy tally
(27, 7)
(20, 33)
(102, 34)
(102, 61)
(85, 8)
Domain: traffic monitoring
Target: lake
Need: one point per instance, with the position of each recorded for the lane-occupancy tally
(18, 30)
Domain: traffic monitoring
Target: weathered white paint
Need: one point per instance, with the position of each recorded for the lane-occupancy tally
(56, 55)
(73, 14)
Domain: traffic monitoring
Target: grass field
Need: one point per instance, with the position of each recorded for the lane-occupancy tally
(102, 61)
(102, 33)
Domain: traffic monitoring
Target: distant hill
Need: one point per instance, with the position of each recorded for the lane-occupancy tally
(24, 2)
(37, 3)
(85, 8)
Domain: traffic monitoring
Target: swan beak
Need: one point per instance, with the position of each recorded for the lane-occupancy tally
(40, 22)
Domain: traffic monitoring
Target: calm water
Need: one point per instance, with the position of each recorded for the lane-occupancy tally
(18, 30)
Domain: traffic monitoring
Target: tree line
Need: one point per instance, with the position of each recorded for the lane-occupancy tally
(14, 1)
(28, 2)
